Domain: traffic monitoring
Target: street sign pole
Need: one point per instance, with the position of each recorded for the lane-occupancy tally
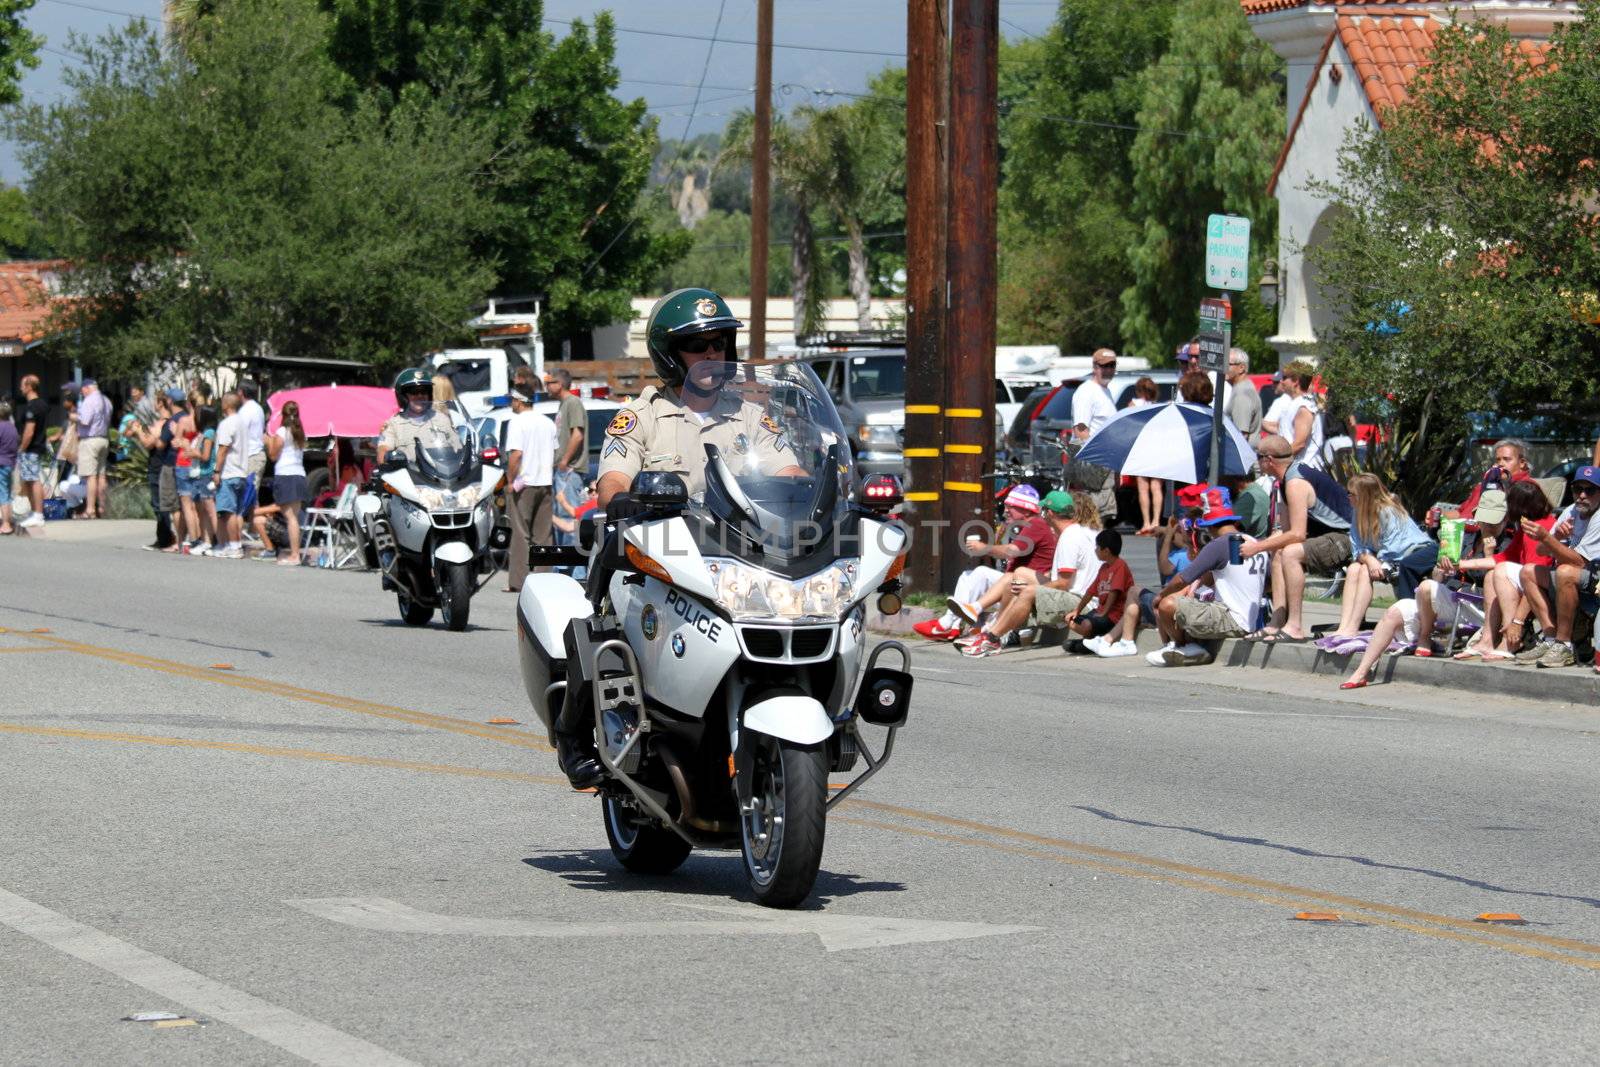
(1227, 268)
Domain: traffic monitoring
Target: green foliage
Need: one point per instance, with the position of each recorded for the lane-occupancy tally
(1211, 120)
(1066, 197)
(719, 259)
(573, 160)
(1467, 225)
(17, 231)
(240, 197)
(19, 49)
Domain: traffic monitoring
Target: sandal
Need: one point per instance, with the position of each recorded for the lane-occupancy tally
(1469, 653)
(1281, 638)
(1354, 685)
(1262, 634)
(1497, 653)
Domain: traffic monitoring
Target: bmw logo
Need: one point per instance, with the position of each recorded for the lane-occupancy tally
(648, 622)
(677, 645)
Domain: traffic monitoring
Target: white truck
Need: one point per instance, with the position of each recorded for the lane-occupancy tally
(479, 375)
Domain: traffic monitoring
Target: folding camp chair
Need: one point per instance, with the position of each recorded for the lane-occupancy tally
(335, 531)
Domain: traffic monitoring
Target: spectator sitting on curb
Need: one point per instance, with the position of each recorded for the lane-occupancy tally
(1237, 579)
(1506, 603)
(1388, 545)
(1435, 606)
(1032, 545)
(1574, 547)
(1110, 592)
(1054, 602)
(1314, 520)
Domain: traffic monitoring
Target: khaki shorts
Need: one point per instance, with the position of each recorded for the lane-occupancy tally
(92, 453)
(1327, 554)
(256, 463)
(1206, 620)
(1051, 606)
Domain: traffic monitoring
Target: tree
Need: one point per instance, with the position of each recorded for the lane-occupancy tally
(1211, 123)
(573, 159)
(1068, 103)
(235, 198)
(1462, 274)
(19, 49)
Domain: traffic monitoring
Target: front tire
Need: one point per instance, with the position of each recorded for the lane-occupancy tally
(642, 847)
(413, 613)
(455, 596)
(781, 830)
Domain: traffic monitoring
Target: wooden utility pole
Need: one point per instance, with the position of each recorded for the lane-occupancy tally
(927, 96)
(970, 329)
(760, 181)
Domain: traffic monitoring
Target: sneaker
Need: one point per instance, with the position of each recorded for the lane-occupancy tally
(931, 629)
(266, 555)
(228, 553)
(984, 646)
(34, 519)
(249, 538)
(1158, 658)
(1188, 654)
(962, 610)
(1118, 648)
(1559, 654)
(971, 639)
(1094, 644)
(202, 548)
(1535, 654)
(1011, 642)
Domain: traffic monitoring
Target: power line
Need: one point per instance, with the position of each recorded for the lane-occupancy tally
(101, 10)
(728, 40)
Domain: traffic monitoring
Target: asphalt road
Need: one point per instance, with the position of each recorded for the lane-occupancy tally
(320, 850)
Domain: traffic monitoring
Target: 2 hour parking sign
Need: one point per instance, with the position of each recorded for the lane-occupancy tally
(1228, 252)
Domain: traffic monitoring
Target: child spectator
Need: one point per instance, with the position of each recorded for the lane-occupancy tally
(1049, 601)
(1435, 605)
(10, 442)
(1110, 591)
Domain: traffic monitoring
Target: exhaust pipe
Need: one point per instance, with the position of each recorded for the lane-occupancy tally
(680, 784)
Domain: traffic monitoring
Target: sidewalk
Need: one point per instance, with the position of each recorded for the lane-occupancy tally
(129, 533)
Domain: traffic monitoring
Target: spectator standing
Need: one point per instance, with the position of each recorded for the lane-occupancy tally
(1151, 490)
(1031, 543)
(199, 493)
(35, 417)
(1314, 517)
(252, 432)
(287, 450)
(1304, 430)
(572, 429)
(1195, 388)
(1244, 400)
(1220, 563)
(1387, 545)
(1574, 547)
(1092, 405)
(147, 431)
(1051, 600)
(232, 473)
(530, 460)
(10, 442)
(94, 446)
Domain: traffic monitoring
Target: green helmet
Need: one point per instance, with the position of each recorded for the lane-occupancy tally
(681, 314)
(410, 378)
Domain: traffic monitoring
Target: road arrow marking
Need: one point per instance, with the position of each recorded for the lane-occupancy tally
(836, 932)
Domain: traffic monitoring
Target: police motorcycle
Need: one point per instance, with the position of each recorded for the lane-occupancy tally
(429, 515)
(717, 660)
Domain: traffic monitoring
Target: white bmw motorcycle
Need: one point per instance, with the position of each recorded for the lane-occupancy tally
(431, 523)
(715, 659)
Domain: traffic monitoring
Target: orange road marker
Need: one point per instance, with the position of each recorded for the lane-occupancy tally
(41, 630)
(222, 666)
(1508, 918)
(1318, 916)
(504, 722)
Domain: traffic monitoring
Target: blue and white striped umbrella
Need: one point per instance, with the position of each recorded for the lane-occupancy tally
(1171, 441)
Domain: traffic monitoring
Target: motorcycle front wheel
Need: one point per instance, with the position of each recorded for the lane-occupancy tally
(781, 830)
(642, 847)
(413, 613)
(455, 595)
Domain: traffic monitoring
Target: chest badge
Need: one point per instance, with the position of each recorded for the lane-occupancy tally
(741, 444)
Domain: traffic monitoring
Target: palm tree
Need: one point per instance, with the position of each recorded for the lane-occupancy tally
(853, 142)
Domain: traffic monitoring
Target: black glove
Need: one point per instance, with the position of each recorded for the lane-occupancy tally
(624, 506)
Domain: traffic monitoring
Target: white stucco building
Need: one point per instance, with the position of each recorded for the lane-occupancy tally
(1348, 62)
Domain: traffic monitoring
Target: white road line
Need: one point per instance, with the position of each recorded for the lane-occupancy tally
(1284, 714)
(836, 932)
(279, 1027)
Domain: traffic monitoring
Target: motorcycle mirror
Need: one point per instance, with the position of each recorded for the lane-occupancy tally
(586, 531)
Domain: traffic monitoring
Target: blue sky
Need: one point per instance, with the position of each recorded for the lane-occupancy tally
(643, 58)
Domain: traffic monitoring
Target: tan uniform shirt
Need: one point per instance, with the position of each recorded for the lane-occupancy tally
(656, 433)
(402, 432)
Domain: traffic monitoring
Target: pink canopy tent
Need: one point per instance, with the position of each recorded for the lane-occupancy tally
(337, 410)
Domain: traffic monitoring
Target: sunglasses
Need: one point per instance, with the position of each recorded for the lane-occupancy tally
(708, 343)
(1584, 488)
(1277, 455)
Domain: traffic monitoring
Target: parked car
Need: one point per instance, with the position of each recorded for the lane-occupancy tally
(1011, 391)
(868, 386)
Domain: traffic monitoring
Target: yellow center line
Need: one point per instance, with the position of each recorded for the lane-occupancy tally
(283, 753)
(291, 692)
(1169, 871)
(4, 650)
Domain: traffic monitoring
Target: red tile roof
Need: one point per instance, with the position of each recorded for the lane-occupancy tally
(25, 299)
(1262, 7)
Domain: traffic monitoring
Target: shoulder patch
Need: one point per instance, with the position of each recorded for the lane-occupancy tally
(623, 424)
(770, 424)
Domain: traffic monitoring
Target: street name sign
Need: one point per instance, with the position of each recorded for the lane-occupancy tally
(1216, 334)
(1228, 252)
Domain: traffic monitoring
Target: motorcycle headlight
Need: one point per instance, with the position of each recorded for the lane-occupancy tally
(751, 593)
(432, 499)
(878, 437)
(469, 496)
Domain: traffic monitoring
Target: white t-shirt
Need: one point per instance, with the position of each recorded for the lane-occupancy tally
(1585, 539)
(292, 460)
(1238, 586)
(228, 433)
(1312, 456)
(1277, 413)
(1091, 405)
(1075, 551)
(252, 427)
(534, 435)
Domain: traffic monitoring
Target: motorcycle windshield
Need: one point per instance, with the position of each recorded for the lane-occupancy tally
(446, 459)
(778, 464)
